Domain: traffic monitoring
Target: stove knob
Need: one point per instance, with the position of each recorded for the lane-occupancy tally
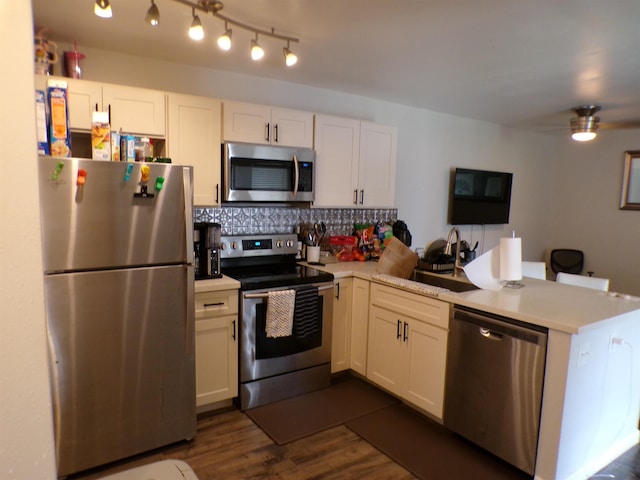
(234, 245)
(289, 243)
(279, 244)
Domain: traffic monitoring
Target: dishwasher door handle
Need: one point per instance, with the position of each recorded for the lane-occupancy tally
(490, 335)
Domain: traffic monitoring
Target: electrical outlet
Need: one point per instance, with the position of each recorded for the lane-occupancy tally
(614, 343)
(583, 355)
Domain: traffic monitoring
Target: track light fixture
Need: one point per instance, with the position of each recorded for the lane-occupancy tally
(153, 15)
(290, 58)
(585, 125)
(196, 31)
(102, 9)
(224, 40)
(256, 50)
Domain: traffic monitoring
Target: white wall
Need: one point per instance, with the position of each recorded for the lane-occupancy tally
(429, 143)
(26, 431)
(587, 187)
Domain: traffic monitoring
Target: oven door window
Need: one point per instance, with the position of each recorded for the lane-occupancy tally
(266, 175)
(307, 330)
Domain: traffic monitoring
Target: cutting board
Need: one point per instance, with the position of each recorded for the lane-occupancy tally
(397, 259)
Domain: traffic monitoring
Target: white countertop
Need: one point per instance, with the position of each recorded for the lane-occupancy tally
(561, 307)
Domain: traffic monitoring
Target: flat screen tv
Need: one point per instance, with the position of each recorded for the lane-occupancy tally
(479, 197)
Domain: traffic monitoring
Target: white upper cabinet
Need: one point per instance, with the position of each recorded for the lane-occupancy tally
(337, 144)
(251, 123)
(136, 111)
(377, 168)
(193, 138)
(355, 163)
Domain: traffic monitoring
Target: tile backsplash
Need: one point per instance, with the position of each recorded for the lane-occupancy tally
(257, 220)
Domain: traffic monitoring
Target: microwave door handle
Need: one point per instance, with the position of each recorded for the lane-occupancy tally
(297, 175)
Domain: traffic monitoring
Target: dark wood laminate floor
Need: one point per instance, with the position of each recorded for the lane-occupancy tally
(230, 446)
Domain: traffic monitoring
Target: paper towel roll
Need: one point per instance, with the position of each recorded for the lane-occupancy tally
(510, 259)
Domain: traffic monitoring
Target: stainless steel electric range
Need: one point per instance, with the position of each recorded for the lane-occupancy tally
(274, 368)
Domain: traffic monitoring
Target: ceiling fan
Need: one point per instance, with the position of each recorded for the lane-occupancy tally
(586, 124)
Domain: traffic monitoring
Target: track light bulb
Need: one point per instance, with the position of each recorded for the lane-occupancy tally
(196, 32)
(290, 58)
(224, 40)
(153, 15)
(256, 50)
(102, 9)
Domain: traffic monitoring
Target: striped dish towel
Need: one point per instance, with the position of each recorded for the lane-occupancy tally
(280, 308)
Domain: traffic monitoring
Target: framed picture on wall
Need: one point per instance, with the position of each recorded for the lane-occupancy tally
(630, 199)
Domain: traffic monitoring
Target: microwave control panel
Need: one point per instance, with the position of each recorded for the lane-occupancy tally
(305, 180)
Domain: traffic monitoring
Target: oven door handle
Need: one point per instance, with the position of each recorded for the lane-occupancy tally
(266, 294)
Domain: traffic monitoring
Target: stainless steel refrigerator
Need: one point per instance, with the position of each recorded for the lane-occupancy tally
(118, 272)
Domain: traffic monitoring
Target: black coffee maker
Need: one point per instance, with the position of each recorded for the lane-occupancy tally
(206, 249)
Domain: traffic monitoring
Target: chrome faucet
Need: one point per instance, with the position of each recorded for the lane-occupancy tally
(457, 268)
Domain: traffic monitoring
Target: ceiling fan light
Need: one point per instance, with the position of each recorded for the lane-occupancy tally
(196, 32)
(290, 58)
(152, 16)
(102, 9)
(584, 129)
(224, 40)
(256, 51)
(583, 136)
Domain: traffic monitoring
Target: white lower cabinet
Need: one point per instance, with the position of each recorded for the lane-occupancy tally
(359, 325)
(216, 347)
(408, 346)
(341, 329)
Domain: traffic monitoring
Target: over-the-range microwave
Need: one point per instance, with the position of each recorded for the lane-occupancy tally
(266, 173)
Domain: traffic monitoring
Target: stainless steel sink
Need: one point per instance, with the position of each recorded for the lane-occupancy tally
(442, 280)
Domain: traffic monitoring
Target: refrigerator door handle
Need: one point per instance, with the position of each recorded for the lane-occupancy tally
(188, 208)
(190, 314)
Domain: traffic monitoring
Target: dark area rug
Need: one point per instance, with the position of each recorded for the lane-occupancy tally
(427, 449)
(298, 417)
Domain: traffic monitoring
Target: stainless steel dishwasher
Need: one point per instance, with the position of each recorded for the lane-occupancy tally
(495, 372)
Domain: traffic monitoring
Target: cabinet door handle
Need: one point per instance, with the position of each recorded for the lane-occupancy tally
(338, 291)
(362, 197)
(355, 196)
(109, 110)
(267, 131)
(234, 330)
(398, 331)
(96, 106)
(404, 339)
(217, 193)
(275, 136)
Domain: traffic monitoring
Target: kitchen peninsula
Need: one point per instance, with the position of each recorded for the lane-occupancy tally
(591, 394)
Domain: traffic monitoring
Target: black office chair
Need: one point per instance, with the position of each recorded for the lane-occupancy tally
(567, 261)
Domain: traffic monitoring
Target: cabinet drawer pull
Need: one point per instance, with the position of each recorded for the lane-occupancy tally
(217, 304)
(399, 334)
